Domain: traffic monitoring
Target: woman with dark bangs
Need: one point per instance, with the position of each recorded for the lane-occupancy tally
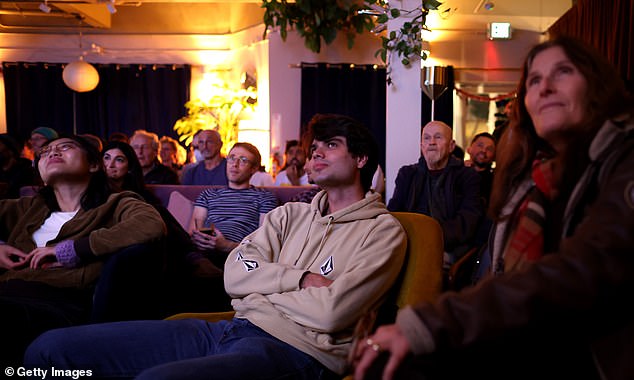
(182, 289)
(56, 243)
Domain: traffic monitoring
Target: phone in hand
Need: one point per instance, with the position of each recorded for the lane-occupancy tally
(208, 230)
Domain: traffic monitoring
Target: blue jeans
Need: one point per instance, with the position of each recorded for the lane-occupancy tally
(182, 349)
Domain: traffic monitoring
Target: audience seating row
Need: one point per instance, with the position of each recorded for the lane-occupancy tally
(178, 199)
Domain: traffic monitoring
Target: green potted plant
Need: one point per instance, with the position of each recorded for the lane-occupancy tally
(222, 112)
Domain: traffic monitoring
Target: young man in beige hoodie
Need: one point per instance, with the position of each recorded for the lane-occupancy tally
(299, 283)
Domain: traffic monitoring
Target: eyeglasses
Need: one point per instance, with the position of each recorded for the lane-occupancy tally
(242, 160)
(63, 147)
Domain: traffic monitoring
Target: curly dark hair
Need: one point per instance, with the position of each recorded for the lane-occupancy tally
(360, 141)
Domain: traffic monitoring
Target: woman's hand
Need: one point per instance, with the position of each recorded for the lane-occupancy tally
(11, 257)
(388, 338)
(43, 257)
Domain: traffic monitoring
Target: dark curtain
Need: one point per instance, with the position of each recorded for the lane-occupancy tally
(606, 25)
(128, 97)
(357, 91)
(443, 106)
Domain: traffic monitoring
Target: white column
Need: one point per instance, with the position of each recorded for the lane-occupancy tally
(403, 108)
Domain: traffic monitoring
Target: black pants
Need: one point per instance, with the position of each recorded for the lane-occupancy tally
(128, 288)
(29, 308)
(130, 285)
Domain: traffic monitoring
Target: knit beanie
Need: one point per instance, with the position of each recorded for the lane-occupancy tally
(49, 133)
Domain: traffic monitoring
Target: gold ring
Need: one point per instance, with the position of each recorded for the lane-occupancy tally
(375, 347)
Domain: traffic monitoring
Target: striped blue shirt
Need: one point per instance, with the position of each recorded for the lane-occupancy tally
(236, 212)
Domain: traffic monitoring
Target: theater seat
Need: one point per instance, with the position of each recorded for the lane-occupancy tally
(181, 208)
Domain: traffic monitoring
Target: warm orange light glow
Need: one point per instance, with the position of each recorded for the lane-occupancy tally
(256, 133)
(431, 61)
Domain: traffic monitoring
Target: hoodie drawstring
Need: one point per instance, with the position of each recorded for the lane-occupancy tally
(321, 243)
(323, 238)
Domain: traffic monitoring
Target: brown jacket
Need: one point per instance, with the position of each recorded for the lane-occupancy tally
(123, 220)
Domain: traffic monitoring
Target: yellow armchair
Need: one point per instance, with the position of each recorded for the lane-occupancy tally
(421, 279)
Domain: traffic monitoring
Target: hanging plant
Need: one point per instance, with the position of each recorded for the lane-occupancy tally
(406, 42)
(317, 20)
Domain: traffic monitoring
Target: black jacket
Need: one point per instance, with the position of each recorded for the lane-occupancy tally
(455, 203)
(161, 175)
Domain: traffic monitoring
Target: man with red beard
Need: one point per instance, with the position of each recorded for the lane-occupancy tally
(222, 217)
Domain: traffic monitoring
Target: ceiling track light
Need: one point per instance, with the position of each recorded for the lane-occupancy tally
(44, 7)
(484, 4)
(111, 7)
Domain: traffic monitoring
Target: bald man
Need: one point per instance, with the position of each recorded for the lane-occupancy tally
(212, 169)
(440, 186)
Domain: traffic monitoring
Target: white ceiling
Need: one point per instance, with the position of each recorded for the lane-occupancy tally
(179, 26)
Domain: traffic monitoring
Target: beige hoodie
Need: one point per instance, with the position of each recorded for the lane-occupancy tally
(361, 248)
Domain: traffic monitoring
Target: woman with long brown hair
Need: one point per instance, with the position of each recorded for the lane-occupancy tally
(557, 304)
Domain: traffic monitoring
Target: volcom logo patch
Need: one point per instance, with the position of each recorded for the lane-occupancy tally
(629, 194)
(250, 265)
(327, 267)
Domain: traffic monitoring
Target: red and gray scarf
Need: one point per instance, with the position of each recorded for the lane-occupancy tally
(526, 241)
